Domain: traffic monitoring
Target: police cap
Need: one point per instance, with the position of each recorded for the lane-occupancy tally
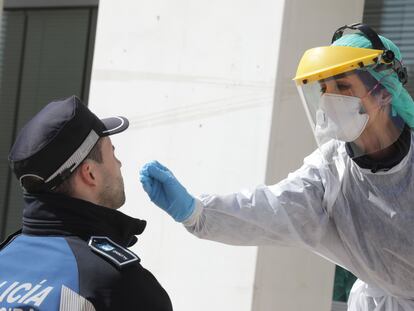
(56, 140)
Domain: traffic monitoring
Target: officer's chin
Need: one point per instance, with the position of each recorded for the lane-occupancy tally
(121, 201)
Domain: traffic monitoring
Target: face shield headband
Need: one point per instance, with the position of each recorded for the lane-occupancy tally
(386, 60)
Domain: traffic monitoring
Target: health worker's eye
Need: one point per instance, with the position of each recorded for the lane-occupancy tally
(340, 87)
(343, 87)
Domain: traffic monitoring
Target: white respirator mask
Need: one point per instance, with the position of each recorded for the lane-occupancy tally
(339, 117)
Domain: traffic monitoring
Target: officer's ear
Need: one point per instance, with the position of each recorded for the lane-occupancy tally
(87, 173)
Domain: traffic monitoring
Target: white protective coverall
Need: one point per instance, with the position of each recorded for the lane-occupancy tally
(360, 220)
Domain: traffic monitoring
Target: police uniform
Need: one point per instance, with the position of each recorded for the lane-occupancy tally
(70, 254)
(76, 254)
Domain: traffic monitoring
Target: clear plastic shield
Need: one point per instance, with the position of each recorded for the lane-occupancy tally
(354, 108)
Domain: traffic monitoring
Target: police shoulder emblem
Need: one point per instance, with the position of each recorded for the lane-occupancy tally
(108, 249)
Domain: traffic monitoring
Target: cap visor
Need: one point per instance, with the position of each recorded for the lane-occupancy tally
(114, 125)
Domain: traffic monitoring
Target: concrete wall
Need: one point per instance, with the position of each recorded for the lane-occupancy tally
(196, 80)
(209, 94)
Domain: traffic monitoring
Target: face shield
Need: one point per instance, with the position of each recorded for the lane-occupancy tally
(345, 103)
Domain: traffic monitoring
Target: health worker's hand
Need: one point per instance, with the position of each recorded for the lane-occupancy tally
(165, 191)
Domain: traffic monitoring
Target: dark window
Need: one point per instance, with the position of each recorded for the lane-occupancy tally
(394, 19)
(45, 54)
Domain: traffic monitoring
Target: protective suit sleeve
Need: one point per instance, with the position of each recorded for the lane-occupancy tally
(290, 213)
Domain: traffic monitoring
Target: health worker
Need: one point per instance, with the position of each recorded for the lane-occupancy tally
(352, 199)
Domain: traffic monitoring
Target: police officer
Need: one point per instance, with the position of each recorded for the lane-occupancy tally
(72, 251)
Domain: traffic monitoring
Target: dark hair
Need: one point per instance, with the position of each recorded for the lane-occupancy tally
(33, 184)
(66, 187)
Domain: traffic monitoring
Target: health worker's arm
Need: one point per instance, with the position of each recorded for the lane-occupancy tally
(288, 213)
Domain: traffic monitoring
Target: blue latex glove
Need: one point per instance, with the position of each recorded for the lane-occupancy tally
(165, 191)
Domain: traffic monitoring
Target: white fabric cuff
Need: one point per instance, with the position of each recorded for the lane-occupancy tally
(195, 215)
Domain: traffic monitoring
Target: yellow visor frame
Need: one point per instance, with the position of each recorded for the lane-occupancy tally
(327, 61)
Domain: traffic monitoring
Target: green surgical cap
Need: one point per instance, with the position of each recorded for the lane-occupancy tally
(402, 103)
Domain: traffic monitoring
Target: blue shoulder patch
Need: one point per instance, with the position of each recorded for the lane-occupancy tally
(108, 249)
